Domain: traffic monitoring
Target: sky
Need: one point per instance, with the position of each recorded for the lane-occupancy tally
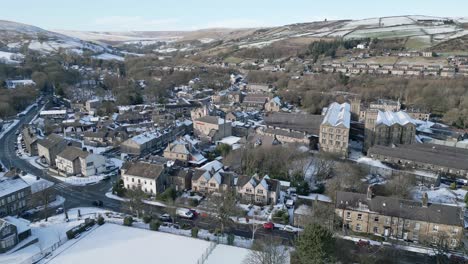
(160, 15)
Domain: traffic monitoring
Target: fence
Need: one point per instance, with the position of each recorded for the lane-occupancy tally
(44, 252)
(207, 253)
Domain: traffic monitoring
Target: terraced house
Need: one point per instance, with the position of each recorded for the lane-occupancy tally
(418, 222)
(148, 177)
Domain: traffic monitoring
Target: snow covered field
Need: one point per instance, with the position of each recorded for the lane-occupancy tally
(115, 244)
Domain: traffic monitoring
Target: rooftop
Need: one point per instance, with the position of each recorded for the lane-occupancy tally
(434, 213)
(390, 118)
(439, 155)
(145, 170)
(338, 114)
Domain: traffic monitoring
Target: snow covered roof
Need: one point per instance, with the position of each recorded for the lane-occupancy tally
(216, 165)
(231, 140)
(53, 112)
(20, 223)
(390, 118)
(11, 185)
(338, 114)
(145, 137)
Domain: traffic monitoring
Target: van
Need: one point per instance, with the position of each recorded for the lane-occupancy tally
(184, 213)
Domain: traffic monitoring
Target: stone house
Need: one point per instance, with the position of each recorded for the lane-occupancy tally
(418, 222)
(256, 190)
(148, 177)
(49, 147)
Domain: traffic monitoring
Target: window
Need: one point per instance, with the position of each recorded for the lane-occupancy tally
(212, 184)
(376, 219)
(359, 217)
(89, 164)
(330, 130)
(435, 228)
(138, 180)
(133, 179)
(348, 215)
(260, 191)
(376, 230)
(324, 141)
(455, 231)
(358, 227)
(248, 190)
(337, 143)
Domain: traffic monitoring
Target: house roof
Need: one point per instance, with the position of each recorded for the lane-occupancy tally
(298, 122)
(145, 170)
(11, 185)
(390, 118)
(72, 153)
(439, 155)
(338, 114)
(434, 213)
(51, 141)
(216, 120)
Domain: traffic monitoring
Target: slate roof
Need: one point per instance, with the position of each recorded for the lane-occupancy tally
(51, 141)
(72, 153)
(438, 155)
(298, 122)
(145, 170)
(434, 213)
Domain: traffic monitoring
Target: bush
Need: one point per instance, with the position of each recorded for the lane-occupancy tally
(217, 232)
(168, 194)
(193, 202)
(154, 225)
(195, 232)
(100, 220)
(453, 186)
(230, 239)
(70, 234)
(128, 221)
(186, 226)
(147, 219)
(281, 216)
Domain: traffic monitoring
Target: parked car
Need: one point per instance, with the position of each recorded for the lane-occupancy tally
(59, 210)
(290, 203)
(165, 218)
(194, 212)
(97, 203)
(269, 225)
(363, 243)
(289, 228)
(184, 213)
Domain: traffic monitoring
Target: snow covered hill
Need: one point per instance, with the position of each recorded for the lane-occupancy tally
(16, 35)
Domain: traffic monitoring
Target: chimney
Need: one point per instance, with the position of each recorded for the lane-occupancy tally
(425, 200)
(370, 192)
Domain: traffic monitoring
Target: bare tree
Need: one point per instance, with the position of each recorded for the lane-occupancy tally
(135, 201)
(254, 224)
(323, 166)
(267, 251)
(223, 207)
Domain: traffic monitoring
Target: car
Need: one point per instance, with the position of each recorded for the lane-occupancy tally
(165, 218)
(184, 213)
(290, 203)
(59, 210)
(363, 243)
(268, 226)
(194, 212)
(25, 214)
(289, 228)
(97, 203)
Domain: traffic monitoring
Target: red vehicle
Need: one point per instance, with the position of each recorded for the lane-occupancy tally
(194, 212)
(269, 226)
(363, 243)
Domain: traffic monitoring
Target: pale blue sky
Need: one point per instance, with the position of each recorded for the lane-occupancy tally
(122, 15)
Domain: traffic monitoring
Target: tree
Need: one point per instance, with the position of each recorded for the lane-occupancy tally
(128, 221)
(118, 188)
(135, 201)
(100, 220)
(315, 245)
(223, 207)
(195, 232)
(154, 225)
(267, 251)
(254, 224)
